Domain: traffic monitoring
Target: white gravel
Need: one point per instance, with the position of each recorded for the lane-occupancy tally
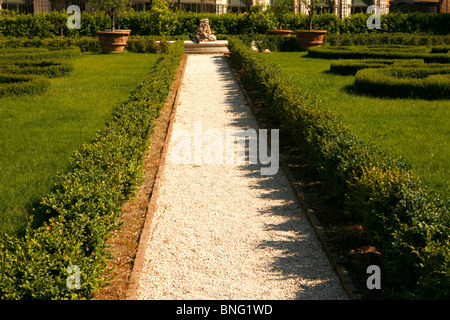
(224, 231)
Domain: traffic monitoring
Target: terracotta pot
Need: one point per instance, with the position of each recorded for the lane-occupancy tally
(113, 41)
(286, 33)
(310, 38)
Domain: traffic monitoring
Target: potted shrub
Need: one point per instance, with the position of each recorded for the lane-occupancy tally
(281, 9)
(310, 38)
(113, 40)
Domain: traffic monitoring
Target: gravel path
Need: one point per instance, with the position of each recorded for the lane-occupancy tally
(224, 231)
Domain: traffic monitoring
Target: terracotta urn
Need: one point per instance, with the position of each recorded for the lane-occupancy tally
(285, 33)
(310, 38)
(113, 41)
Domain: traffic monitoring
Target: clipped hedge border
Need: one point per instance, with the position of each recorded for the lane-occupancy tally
(11, 85)
(47, 68)
(355, 52)
(33, 54)
(408, 226)
(84, 206)
(351, 66)
(351, 39)
(427, 83)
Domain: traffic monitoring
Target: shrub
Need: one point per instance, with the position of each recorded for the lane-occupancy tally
(22, 84)
(429, 83)
(161, 20)
(408, 226)
(346, 67)
(33, 54)
(347, 39)
(272, 42)
(21, 68)
(86, 202)
(440, 49)
(368, 52)
(47, 68)
(141, 44)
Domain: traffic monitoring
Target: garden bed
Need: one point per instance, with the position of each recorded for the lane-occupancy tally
(379, 191)
(86, 203)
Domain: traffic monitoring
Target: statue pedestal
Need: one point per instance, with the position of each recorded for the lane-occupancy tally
(206, 47)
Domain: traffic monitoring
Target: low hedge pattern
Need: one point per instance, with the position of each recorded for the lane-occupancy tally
(25, 70)
(408, 226)
(47, 68)
(22, 84)
(391, 38)
(85, 204)
(351, 66)
(377, 52)
(425, 82)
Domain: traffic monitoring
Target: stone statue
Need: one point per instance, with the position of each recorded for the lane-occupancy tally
(204, 32)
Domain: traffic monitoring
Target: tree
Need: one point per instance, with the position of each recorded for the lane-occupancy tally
(312, 5)
(281, 9)
(113, 8)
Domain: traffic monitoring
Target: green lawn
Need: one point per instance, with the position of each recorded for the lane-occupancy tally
(39, 133)
(418, 130)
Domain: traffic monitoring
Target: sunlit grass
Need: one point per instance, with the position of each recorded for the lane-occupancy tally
(417, 130)
(39, 133)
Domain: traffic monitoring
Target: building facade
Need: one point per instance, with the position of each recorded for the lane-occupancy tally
(342, 8)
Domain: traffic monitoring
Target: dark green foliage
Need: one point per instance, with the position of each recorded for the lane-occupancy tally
(87, 200)
(22, 84)
(346, 67)
(24, 69)
(407, 82)
(392, 38)
(163, 22)
(47, 68)
(409, 227)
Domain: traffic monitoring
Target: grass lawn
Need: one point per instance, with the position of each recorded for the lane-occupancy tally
(39, 133)
(417, 130)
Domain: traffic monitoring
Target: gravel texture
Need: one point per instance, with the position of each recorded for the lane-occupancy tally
(224, 231)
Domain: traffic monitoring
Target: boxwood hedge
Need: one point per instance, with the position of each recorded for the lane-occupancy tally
(24, 70)
(424, 82)
(351, 66)
(85, 204)
(378, 52)
(408, 226)
(22, 84)
(47, 68)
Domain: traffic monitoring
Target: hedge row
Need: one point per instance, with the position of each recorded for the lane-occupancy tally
(409, 82)
(46, 68)
(376, 52)
(24, 70)
(85, 204)
(85, 44)
(22, 84)
(387, 39)
(33, 54)
(162, 21)
(408, 226)
(351, 66)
